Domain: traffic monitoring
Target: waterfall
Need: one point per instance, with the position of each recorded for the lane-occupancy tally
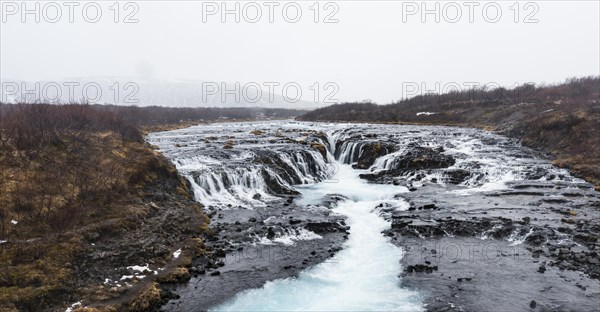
(250, 183)
(363, 276)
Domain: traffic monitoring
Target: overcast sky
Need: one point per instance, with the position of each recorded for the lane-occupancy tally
(372, 52)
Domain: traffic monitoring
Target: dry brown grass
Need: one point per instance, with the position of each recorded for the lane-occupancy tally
(148, 299)
(176, 275)
(60, 190)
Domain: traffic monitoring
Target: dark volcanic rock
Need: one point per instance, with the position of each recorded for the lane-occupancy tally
(416, 158)
(457, 176)
(325, 227)
(419, 157)
(372, 151)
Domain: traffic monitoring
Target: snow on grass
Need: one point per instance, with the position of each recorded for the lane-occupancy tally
(139, 268)
(14, 222)
(73, 306)
(177, 253)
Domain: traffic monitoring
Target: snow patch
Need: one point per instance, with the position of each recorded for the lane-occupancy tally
(270, 220)
(14, 221)
(73, 306)
(177, 253)
(139, 268)
(426, 113)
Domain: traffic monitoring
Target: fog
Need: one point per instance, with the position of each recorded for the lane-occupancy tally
(363, 49)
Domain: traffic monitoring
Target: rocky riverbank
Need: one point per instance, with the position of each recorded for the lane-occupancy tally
(252, 247)
(460, 248)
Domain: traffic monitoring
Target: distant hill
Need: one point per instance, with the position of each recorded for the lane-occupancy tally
(149, 92)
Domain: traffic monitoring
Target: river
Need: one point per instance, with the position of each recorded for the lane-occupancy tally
(359, 191)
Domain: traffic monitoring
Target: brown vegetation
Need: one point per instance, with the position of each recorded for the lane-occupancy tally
(81, 193)
(320, 148)
(149, 299)
(562, 119)
(160, 116)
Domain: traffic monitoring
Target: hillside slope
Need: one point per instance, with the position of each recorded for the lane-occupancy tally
(89, 212)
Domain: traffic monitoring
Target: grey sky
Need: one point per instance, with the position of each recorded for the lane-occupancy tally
(369, 53)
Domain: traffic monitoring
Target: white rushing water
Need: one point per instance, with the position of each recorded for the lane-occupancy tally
(363, 276)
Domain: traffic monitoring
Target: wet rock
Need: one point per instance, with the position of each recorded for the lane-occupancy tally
(229, 144)
(542, 269)
(563, 251)
(536, 238)
(370, 152)
(420, 268)
(323, 227)
(416, 158)
(220, 253)
(320, 148)
(270, 233)
(585, 238)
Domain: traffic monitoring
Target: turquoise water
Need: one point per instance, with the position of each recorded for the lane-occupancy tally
(363, 276)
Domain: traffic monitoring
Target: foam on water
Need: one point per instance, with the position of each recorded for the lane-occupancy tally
(289, 237)
(363, 276)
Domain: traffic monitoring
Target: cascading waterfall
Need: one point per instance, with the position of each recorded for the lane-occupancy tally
(388, 161)
(248, 184)
(349, 152)
(228, 186)
(363, 276)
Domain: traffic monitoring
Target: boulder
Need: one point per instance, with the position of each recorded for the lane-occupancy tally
(372, 151)
(457, 176)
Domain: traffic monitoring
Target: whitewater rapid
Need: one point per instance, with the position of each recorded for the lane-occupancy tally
(364, 276)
